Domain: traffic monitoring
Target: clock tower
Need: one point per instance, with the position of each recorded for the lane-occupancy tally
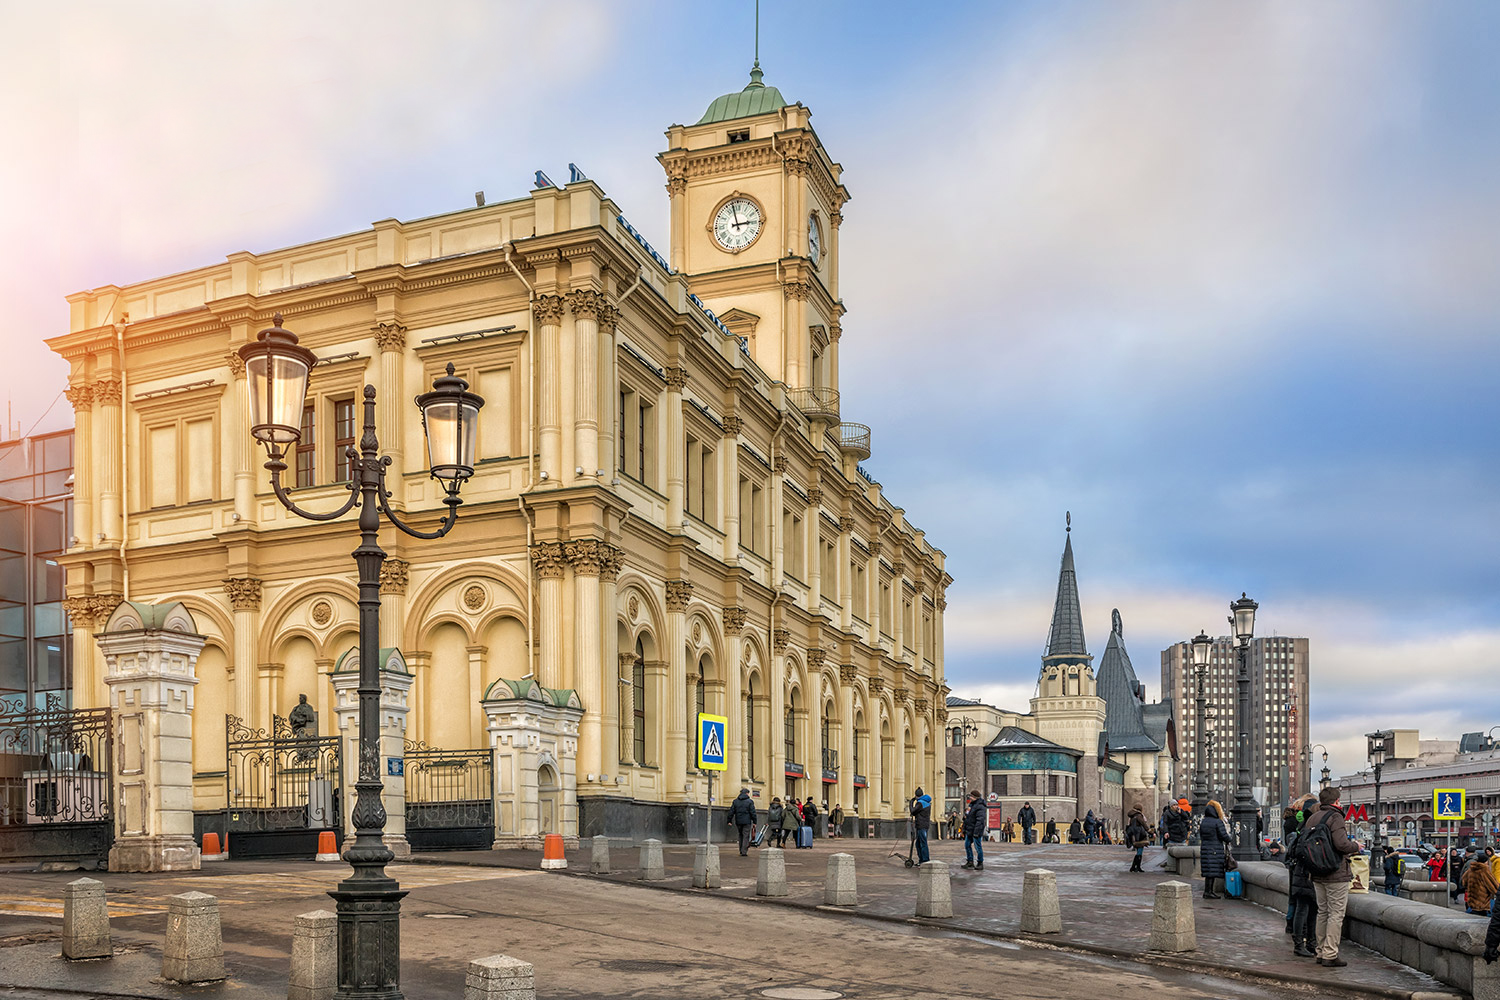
(756, 207)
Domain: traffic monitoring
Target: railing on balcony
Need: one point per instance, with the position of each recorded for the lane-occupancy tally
(854, 439)
(815, 401)
(830, 764)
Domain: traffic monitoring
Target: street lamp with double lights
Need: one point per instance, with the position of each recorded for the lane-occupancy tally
(1202, 648)
(276, 369)
(1246, 839)
(1378, 745)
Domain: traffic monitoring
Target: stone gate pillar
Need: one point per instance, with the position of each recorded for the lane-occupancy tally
(395, 702)
(533, 734)
(150, 651)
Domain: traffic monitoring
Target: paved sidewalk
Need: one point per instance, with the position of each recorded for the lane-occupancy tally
(1105, 908)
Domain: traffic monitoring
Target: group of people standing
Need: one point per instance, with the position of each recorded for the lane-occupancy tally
(784, 820)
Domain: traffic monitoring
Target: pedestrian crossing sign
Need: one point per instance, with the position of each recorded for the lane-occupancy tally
(711, 737)
(1448, 803)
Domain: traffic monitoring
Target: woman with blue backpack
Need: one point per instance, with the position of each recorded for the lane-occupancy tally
(1213, 839)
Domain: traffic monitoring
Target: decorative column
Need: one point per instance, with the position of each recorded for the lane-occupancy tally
(106, 394)
(673, 699)
(82, 398)
(734, 711)
(675, 448)
(549, 310)
(477, 685)
(150, 651)
(940, 605)
(815, 550)
(585, 556)
(609, 409)
(676, 189)
(846, 578)
(390, 338)
(627, 710)
(847, 677)
(919, 589)
(88, 613)
(776, 691)
(816, 657)
(872, 575)
(240, 447)
(898, 607)
(610, 559)
(778, 550)
(880, 746)
(244, 599)
(395, 702)
(731, 490)
(835, 334)
(585, 304)
(548, 559)
(395, 575)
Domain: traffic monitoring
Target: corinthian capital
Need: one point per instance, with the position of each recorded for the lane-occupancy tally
(244, 593)
(549, 560)
(549, 309)
(609, 318)
(236, 364)
(679, 593)
(734, 620)
(780, 639)
(81, 396)
(848, 674)
(389, 336)
(677, 378)
(585, 303)
(107, 391)
(394, 576)
(816, 657)
(585, 555)
(611, 558)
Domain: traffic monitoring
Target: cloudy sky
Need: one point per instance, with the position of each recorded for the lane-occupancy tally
(1221, 279)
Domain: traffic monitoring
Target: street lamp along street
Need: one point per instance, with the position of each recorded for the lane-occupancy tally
(277, 368)
(1202, 648)
(1246, 838)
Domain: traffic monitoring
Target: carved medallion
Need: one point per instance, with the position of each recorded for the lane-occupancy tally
(697, 631)
(634, 607)
(475, 597)
(322, 613)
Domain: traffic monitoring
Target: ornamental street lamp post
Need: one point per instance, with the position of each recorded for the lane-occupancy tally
(1202, 646)
(1377, 745)
(276, 368)
(1246, 839)
(1323, 779)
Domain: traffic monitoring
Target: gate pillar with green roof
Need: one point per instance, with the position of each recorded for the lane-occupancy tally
(533, 733)
(395, 702)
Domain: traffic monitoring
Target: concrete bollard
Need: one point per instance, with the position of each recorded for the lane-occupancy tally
(839, 886)
(85, 920)
(599, 858)
(652, 869)
(770, 878)
(500, 977)
(934, 890)
(706, 866)
(1039, 912)
(194, 949)
(315, 957)
(1172, 927)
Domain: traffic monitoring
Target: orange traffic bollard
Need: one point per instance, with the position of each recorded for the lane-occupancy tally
(211, 849)
(328, 850)
(552, 852)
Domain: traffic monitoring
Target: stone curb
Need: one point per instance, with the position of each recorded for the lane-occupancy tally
(1306, 984)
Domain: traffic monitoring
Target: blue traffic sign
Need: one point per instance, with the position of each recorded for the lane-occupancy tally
(1448, 803)
(711, 739)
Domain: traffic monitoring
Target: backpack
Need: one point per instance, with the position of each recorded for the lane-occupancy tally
(1316, 851)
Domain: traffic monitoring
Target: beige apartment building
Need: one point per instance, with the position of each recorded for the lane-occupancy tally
(668, 514)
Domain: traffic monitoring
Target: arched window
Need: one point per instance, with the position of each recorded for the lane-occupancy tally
(750, 757)
(957, 733)
(699, 691)
(789, 736)
(830, 755)
(954, 790)
(638, 700)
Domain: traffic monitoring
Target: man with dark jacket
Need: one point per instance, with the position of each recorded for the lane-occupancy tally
(1027, 818)
(1179, 821)
(1332, 889)
(976, 818)
(921, 814)
(810, 816)
(742, 815)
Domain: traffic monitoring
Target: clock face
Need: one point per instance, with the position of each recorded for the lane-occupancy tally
(814, 240)
(736, 224)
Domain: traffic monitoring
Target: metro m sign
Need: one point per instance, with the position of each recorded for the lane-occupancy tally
(1357, 813)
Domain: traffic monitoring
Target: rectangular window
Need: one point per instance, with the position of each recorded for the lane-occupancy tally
(750, 737)
(307, 447)
(857, 577)
(645, 431)
(638, 699)
(757, 519)
(162, 444)
(622, 425)
(789, 737)
(1028, 784)
(694, 468)
(885, 609)
(343, 438)
(495, 433)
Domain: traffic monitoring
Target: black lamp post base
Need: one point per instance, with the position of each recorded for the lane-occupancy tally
(369, 944)
(1246, 840)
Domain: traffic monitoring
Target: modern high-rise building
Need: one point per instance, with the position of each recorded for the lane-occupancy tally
(1278, 704)
(36, 513)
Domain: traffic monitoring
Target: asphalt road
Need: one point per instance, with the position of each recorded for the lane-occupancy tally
(587, 938)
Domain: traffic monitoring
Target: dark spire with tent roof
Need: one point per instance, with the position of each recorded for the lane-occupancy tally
(1065, 642)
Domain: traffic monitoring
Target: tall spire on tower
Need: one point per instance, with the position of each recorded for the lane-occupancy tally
(1065, 642)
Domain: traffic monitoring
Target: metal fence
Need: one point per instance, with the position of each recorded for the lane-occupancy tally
(450, 797)
(56, 796)
(281, 790)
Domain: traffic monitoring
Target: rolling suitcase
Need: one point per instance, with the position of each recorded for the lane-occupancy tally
(1234, 884)
(804, 836)
(758, 837)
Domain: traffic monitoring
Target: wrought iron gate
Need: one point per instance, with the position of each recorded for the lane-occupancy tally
(56, 799)
(450, 798)
(281, 790)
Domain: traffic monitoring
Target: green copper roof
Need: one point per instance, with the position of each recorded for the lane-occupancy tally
(526, 689)
(390, 659)
(755, 99)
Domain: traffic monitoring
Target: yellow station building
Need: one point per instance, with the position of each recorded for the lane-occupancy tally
(668, 514)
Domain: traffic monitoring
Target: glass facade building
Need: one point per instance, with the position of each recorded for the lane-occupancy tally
(36, 516)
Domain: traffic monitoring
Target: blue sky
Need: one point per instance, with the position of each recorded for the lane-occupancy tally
(1219, 279)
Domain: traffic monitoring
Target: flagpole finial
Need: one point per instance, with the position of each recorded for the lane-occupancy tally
(1069, 516)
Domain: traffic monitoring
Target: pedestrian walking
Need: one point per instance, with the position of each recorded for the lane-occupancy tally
(1479, 886)
(1333, 888)
(1008, 831)
(742, 815)
(1090, 828)
(1162, 826)
(976, 819)
(1213, 838)
(1075, 831)
(1137, 836)
(791, 821)
(773, 820)
(1050, 832)
(836, 821)
(1304, 898)
(810, 816)
(921, 814)
(1027, 816)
